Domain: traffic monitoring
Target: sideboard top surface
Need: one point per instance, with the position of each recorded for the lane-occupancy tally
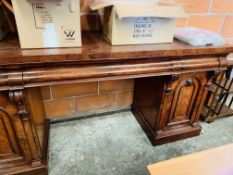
(95, 49)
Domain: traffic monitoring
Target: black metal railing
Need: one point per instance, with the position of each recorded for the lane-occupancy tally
(220, 97)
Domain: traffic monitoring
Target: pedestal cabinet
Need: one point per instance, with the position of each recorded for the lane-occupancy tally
(168, 107)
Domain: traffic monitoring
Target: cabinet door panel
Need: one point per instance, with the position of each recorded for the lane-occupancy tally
(5, 144)
(184, 100)
(9, 147)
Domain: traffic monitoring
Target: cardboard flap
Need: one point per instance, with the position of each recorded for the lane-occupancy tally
(134, 1)
(100, 5)
(160, 11)
(106, 3)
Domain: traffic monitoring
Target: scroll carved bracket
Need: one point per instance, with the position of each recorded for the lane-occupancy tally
(169, 89)
(17, 97)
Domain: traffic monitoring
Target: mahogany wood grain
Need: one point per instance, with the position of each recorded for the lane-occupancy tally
(96, 49)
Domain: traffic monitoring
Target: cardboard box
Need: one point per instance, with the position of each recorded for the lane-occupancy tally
(48, 23)
(138, 23)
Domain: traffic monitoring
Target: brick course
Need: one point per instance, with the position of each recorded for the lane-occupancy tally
(67, 100)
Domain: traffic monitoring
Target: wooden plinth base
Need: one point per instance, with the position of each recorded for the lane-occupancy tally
(167, 135)
(26, 170)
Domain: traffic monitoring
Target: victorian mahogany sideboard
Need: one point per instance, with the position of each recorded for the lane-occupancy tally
(171, 84)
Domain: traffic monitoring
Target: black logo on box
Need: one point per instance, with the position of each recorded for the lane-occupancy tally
(69, 34)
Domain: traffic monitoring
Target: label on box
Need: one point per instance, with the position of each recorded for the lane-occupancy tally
(41, 15)
(143, 27)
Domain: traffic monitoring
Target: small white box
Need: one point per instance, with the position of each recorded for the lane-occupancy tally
(48, 23)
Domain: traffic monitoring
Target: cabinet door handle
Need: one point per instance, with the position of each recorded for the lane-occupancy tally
(189, 82)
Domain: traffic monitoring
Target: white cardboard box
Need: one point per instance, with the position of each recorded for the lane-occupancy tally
(138, 23)
(48, 23)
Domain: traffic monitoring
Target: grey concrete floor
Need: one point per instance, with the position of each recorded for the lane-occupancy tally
(116, 145)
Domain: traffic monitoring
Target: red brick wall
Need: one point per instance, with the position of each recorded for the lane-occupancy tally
(69, 100)
(214, 15)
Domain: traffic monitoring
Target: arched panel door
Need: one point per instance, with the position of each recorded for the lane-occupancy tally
(184, 101)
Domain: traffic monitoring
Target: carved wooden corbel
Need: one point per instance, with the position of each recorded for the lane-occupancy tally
(17, 97)
(169, 89)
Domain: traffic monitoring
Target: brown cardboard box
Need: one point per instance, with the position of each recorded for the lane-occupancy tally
(48, 23)
(138, 23)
